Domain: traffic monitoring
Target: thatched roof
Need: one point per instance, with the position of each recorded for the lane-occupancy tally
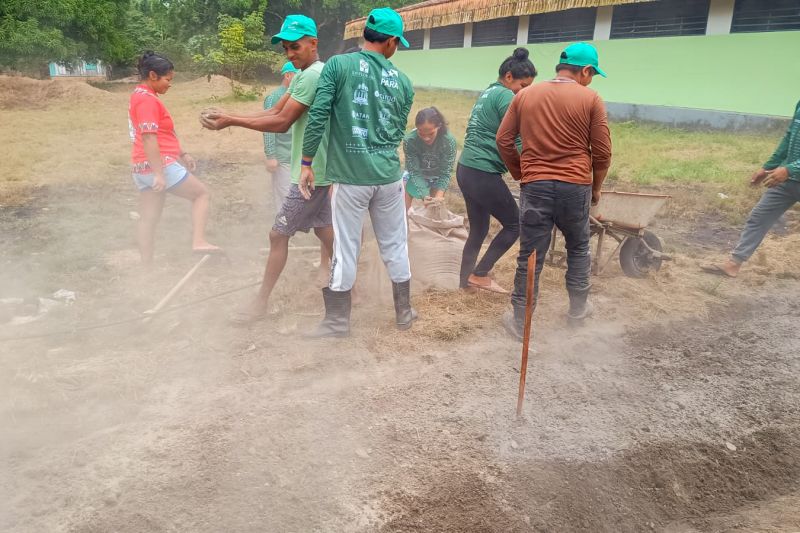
(436, 13)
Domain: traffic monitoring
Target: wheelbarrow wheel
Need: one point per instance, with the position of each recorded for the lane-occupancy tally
(636, 260)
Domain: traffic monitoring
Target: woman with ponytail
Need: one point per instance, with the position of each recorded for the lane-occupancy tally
(480, 175)
(430, 153)
(159, 163)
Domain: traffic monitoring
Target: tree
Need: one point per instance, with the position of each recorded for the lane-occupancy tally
(38, 31)
(240, 49)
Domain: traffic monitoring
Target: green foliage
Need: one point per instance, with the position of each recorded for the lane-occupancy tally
(37, 31)
(252, 94)
(240, 49)
(225, 36)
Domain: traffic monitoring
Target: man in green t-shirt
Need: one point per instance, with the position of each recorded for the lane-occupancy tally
(367, 101)
(298, 213)
(278, 146)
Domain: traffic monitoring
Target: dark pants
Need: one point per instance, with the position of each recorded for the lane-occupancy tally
(773, 203)
(486, 195)
(544, 204)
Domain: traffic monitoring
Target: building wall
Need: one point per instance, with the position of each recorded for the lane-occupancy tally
(752, 73)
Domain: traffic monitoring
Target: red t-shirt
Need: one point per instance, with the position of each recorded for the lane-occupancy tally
(147, 114)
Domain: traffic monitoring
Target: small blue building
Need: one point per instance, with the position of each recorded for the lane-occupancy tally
(83, 69)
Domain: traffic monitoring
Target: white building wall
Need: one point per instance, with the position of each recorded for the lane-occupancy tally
(426, 39)
(468, 35)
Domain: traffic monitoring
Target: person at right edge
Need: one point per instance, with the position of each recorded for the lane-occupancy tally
(566, 152)
(368, 101)
(781, 177)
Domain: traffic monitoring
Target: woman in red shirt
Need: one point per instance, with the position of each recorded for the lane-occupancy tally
(159, 163)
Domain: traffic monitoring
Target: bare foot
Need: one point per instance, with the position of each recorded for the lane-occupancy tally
(486, 283)
(256, 310)
(729, 268)
(205, 247)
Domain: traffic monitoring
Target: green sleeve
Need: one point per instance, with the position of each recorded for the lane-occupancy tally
(794, 170)
(270, 149)
(412, 158)
(503, 101)
(448, 160)
(406, 109)
(320, 110)
(782, 152)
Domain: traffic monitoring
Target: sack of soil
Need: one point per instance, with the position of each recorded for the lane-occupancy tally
(436, 240)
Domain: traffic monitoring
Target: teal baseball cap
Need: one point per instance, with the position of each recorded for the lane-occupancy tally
(387, 21)
(289, 68)
(582, 55)
(294, 28)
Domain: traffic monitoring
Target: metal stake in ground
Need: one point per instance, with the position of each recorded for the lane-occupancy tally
(526, 337)
(176, 289)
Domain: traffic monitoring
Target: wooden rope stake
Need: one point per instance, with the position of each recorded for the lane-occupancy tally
(526, 337)
(176, 289)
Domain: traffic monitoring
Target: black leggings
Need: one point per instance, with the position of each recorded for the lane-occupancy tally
(486, 196)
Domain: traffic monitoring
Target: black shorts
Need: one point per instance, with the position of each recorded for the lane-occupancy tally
(298, 214)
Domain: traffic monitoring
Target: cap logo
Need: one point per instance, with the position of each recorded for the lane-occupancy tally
(372, 19)
(563, 55)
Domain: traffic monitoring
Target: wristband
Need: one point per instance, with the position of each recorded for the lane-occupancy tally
(305, 163)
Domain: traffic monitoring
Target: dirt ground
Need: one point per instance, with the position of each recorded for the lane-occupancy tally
(676, 409)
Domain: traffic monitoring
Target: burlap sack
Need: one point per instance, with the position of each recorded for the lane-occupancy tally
(436, 240)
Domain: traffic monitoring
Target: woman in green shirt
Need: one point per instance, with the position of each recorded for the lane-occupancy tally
(480, 174)
(430, 153)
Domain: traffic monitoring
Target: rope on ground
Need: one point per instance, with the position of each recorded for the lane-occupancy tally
(128, 320)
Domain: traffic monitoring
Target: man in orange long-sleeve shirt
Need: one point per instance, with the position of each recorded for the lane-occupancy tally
(566, 152)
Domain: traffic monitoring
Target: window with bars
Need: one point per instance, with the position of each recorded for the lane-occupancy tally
(766, 15)
(562, 26)
(448, 36)
(660, 19)
(415, 40)
(495, 32)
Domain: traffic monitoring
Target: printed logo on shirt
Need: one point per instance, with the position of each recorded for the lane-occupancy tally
(388, 78)
(360, 133)
(385, 97)
(363, 67)
(361, 95)
(384, 117)
(357, 115)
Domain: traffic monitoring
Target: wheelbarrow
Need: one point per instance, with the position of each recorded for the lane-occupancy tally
(624, 217)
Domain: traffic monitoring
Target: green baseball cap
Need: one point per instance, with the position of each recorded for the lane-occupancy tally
(388, 22)
(581, 55)
(294, 28)
(288, 67)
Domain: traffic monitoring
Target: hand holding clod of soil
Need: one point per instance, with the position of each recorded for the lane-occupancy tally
(210, 118)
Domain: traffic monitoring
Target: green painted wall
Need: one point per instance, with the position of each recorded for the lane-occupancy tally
(755, 73)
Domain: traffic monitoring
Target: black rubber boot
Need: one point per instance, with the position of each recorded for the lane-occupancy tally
(404, 313)
(337, 315)
(514, 322)
(580, 308)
